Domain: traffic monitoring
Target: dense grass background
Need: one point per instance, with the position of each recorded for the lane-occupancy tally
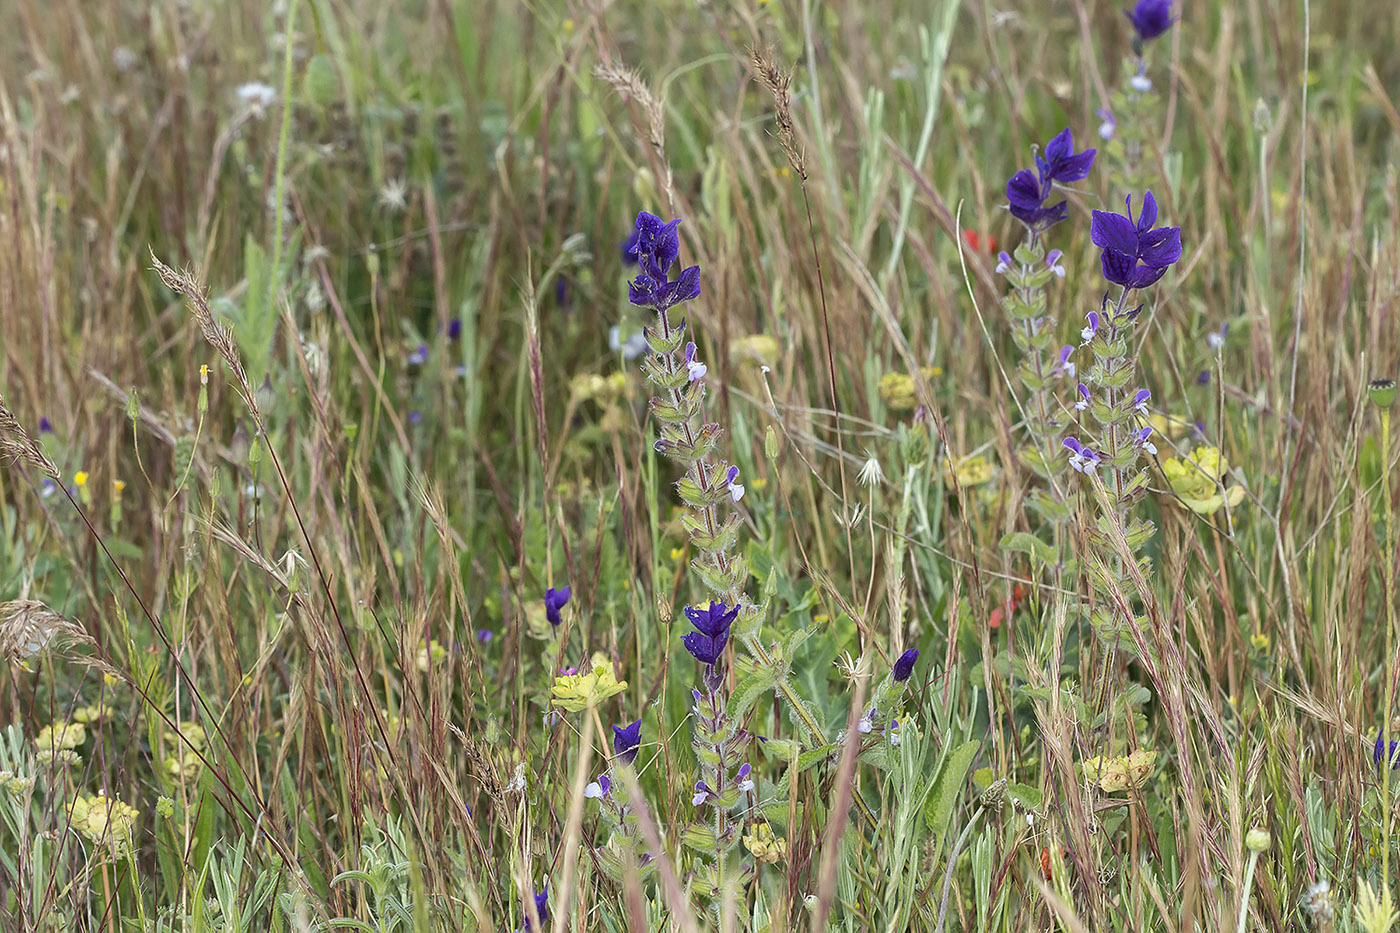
(316, 602)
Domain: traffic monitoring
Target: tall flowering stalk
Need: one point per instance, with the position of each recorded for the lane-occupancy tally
(1127, 120)
(708, 484)
(1113, 407)
(1030, 271)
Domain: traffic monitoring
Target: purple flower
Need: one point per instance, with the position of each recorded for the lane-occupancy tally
(1026, 192)
(629, 250)
(414, 416)
(745, 782)
(1052, 262)
(45, 426)
(658, 247)
(561, 292)
(1081, 458)
(541, 908)
(1065, 367)
(554, 600)
(1108, 126)
(1379, 754)
(419, 356)
(702, 792)
(598, 788)
(905, 665)
(1003, 262)
(454, 328)
(1144, 440)
(484, 635)
(695, 369)
(1150, 18)
(626, 741)
(1134, 254)
(712, 624)
(1084, 398)
(1203, 378)
(1140, 401)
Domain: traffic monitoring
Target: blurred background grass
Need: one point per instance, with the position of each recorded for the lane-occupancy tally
(463, 162)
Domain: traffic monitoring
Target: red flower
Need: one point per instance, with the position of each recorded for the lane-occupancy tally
(974, 239)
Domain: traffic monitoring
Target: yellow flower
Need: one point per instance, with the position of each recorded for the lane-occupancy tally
(61, 735)
(897, 389)
(1170, 426)
(970, 471)
(118, 486)
(87, 714)
(1259, 641)
(677, 553)
(760, 348)
(1196, 480)
(104, 821)
(430, 655)
(1115, 774)
(574, 692)
(764, 845)
(80, 478)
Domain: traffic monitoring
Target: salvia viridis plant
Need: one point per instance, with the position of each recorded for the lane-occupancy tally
(684, 467)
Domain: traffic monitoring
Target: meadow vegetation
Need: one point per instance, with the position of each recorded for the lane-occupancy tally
(976, 513)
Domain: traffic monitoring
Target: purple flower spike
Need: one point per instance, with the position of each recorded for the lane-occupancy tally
(745, 784)
(626, 741)
(658, 247)
(454, 328)
(706, 644)
(541, 908)
(1027, 191)
(1150, 18)
(904, 666)
(1379, 754)
(702, 793)
(1134, 254)
(554, 600)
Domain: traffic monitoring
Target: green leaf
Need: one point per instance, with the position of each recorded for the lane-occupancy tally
(748, 691)
(948, 787)
(1027, 543)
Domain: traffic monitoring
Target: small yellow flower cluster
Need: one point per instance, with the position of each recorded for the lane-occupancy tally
(56, 742)
(760, 348)
(970, 471)
(1196, 480)
(764, 845)
(574, 692)
(431, 655)
(587, 386)
(1115, 774)
(897, 389)
(14, 784)
(107, 822)
(185, 764)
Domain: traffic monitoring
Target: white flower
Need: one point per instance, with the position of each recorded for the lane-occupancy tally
(871, 474)
(256, 97)
(394, 195)
(1141, 83)
(697, 370)
(736, 491)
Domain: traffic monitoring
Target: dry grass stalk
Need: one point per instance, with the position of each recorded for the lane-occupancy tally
(779, 84)
(16, 444)
(29, 628)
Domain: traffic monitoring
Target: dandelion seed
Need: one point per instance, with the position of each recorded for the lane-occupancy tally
(393, 196)
(871, 474)
(256, 97)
